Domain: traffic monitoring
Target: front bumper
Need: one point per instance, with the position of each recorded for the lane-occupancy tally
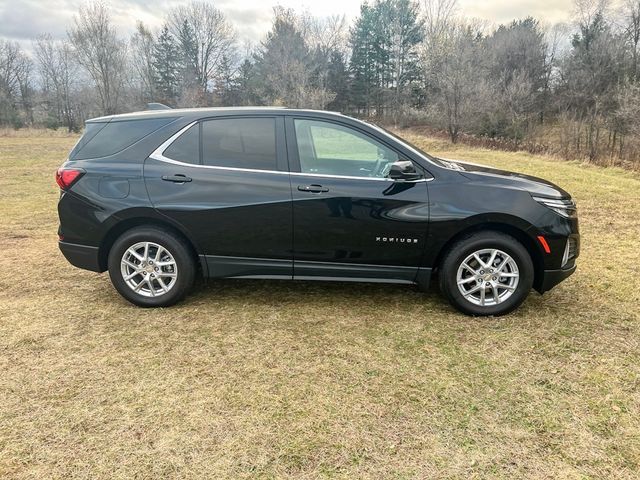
(81, 256)
(551, 278)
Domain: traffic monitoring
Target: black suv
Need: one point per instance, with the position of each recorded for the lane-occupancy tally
(158, 197)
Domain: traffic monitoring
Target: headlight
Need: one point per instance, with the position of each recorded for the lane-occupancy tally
(566, 208)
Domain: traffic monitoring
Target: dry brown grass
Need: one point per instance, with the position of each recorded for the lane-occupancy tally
(250, 379)
(36, 132)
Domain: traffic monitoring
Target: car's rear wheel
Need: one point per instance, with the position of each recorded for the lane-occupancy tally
(151, 267)
(487, 273)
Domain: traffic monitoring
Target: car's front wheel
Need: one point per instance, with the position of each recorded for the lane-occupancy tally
(151, 267)
(486, 273)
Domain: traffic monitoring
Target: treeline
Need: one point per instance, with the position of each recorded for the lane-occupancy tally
(571, 90)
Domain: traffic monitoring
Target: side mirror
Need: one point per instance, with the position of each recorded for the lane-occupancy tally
(404, 170)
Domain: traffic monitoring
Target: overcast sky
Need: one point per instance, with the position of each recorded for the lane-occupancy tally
(23, 20)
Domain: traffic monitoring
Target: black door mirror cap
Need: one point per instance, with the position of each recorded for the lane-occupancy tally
(404, 170)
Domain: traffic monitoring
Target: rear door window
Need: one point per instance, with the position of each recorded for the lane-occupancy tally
(240, 142)
(114, 137)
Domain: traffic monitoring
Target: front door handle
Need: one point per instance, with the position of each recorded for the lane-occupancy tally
(179, 178)
(313, 188)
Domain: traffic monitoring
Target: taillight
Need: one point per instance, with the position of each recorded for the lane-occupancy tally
(66, 177)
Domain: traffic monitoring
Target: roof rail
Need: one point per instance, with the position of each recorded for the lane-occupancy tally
(157, 106)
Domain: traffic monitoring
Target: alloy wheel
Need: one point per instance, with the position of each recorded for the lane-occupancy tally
(487, 277)
(149, 269)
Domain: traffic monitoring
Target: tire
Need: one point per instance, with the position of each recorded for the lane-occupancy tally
(166, 275)
(506, 281)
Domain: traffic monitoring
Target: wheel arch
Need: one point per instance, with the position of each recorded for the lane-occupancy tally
(127, 224)
(520, 235)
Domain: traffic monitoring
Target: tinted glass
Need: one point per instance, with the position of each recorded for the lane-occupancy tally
(186, 148)
(240, 143)
(333, 149)
(116, 136)
(90, 131)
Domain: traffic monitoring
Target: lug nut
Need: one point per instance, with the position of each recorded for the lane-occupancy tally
(481, 272)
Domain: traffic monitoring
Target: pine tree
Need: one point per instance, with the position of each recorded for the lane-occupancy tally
(406, 34)
(189, 51)
(338, 82)
(384, 43)
(226, 88)
(363, 82)
(283, 63)
(166, 65)
(246, 84)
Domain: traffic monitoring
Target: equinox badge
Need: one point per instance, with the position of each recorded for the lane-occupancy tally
(396, 240)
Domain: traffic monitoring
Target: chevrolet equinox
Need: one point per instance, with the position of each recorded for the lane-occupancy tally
(160, 196)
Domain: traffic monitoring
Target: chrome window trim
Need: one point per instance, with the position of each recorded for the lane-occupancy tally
(158, 154)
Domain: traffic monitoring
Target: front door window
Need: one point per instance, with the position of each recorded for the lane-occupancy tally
(331, 149)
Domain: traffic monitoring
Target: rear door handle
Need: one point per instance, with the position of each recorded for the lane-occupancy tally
(179, 178)
(312, 188)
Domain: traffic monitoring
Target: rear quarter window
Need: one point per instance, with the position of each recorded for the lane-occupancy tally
(104, 139)
(186, 148)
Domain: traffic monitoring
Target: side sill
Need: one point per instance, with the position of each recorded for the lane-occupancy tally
(354, 279)
(243, 267)
(304, 269)
(264, 277)
(216, 266)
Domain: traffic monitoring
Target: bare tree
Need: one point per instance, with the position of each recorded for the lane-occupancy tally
(58, 73)
(626, 119)
(325, 33)
(101, 53)
(438, 17)
(631, 26)
(206, 38)
(324, 36)
(141, 57)
(15, 84)
(553, 52)
(453, 71)
(586, 11)
(9, 85)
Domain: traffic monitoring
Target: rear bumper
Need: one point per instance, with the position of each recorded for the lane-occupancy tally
(551, 278)
(81, 256)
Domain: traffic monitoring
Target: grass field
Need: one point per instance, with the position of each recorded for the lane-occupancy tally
(252, 379)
